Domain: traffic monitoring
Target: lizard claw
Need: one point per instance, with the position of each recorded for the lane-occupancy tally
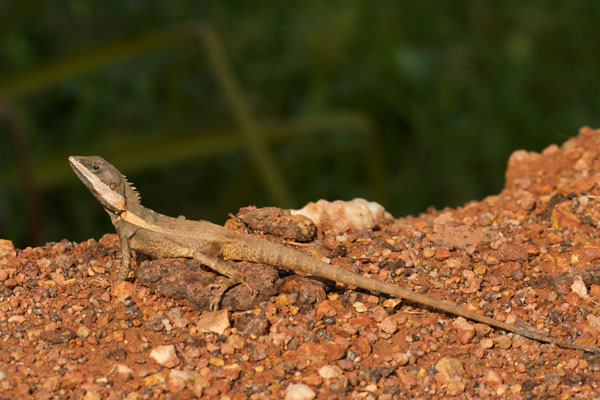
(221, 289)
(252, 291)
(214, 303)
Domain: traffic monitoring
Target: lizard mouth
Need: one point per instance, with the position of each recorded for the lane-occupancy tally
(77, 167)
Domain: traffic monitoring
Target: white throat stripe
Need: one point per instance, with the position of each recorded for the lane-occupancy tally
(110, 196)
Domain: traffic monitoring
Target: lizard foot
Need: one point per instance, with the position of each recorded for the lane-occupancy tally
(252, 291)
(123, 273)
(221, 289)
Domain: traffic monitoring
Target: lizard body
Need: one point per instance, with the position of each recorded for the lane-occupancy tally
(158, 235)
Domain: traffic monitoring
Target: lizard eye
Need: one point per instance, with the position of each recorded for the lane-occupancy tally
(95, 167)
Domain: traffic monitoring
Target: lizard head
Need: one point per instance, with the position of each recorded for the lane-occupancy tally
(105, 182)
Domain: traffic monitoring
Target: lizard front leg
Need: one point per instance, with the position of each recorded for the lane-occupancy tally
(124, 237)
(125, 258)
(223, 267)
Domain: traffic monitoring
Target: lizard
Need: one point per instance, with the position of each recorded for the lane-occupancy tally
(157, 235)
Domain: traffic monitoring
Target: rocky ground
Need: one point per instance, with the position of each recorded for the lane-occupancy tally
(529, 254)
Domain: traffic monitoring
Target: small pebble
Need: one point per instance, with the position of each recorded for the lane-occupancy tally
(451, 366)
(165, 356)
(329, 372)
(299, 391)
(124, 370)
(491, 378)
(455, 388)
(213, 321)
(83, 331)
(579, 287)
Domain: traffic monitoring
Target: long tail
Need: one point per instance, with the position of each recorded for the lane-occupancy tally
(284, 257)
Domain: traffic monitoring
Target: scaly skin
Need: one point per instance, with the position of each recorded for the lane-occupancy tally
(158, 235)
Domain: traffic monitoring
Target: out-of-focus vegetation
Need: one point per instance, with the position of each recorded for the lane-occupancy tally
(209, 106)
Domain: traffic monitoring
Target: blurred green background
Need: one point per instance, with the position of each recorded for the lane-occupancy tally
(210, 106)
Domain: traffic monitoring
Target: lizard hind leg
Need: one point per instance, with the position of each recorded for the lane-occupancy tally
(224, 268)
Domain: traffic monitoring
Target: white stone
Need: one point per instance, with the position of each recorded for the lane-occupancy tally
(123, 370)
(299, 391)
(578, 287)
(341, 215)
(329, 372)
(213, 321)
(165, 356)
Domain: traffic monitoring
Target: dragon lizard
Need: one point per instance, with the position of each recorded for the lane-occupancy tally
(158, 235)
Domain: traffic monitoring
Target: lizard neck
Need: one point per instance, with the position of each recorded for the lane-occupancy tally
(139, 216)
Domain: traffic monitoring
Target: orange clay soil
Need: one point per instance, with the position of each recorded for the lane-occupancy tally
(531, 253)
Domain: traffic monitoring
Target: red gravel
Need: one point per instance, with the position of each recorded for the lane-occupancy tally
(531, 253)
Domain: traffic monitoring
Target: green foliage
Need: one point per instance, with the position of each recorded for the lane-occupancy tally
(407, 103)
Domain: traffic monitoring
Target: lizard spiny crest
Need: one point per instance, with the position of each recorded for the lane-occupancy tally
(132, 188)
